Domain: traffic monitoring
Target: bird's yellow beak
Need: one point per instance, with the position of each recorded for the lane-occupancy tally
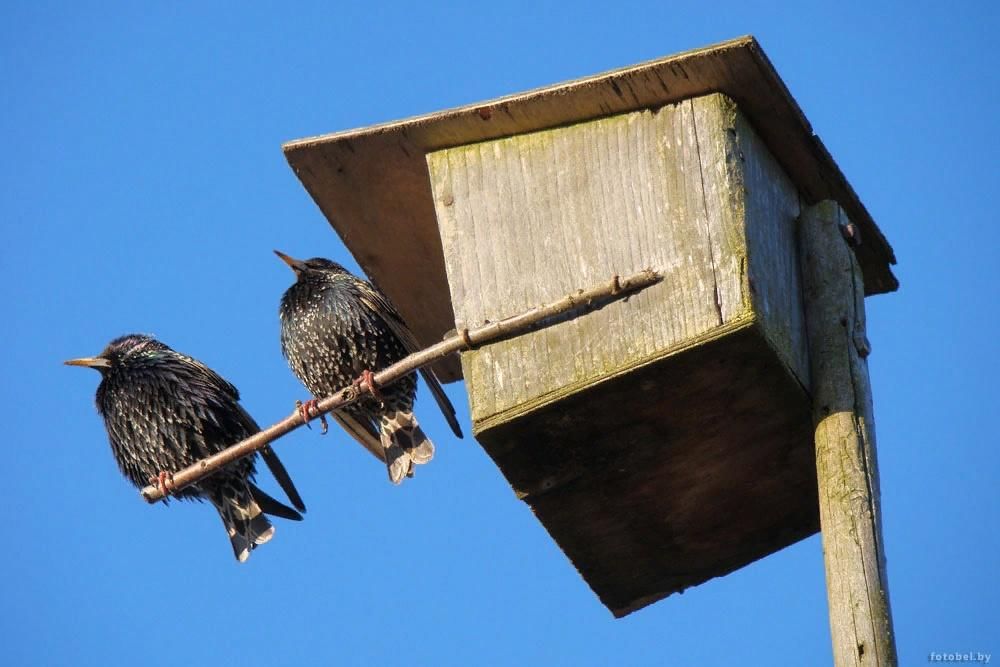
(90, 362)
(297, 265)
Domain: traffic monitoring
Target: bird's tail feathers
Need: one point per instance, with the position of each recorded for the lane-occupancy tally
(245, 521)
(405, 444)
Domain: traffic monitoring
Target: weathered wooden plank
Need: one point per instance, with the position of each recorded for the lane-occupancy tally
(770, 206)
(713, 121)
(530, 216)
(372, 183)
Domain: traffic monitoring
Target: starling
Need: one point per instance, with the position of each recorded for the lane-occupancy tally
(164, 411)
(336, 327)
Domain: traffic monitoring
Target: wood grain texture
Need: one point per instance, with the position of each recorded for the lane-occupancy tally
(846, 461)
(770, 209)
(679, 189)
(372, 183)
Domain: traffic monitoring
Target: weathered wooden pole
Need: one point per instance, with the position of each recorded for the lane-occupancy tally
(846, 465)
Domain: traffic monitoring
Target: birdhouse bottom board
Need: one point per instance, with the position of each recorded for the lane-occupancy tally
(651, 484)
(666, 439)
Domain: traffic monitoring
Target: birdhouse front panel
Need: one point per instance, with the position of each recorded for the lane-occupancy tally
(687, 190)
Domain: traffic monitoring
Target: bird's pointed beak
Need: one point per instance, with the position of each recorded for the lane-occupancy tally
(298, 266)
(90, 362)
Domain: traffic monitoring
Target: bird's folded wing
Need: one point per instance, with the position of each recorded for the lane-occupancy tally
(377, 302)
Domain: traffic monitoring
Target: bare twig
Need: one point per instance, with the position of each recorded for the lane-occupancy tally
(567, 308)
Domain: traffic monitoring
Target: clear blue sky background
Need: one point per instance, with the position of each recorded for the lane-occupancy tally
(142, 188)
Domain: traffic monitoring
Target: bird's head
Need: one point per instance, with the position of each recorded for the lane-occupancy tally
(119, 351)
(306, 268)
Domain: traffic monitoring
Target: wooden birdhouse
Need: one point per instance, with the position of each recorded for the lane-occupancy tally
(663, 440)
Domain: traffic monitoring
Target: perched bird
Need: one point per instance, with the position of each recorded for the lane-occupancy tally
(164, 411)
(336, 327)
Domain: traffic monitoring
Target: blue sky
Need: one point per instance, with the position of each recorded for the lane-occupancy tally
(142, 188)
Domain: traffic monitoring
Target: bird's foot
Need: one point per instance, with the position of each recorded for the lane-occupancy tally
(164, 482)
(305, 411)
(367, 379)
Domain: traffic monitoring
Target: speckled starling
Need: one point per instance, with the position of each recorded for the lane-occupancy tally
(336, 327)
(164, 411)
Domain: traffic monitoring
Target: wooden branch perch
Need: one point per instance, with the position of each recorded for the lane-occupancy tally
(567, 308)
(846, 466)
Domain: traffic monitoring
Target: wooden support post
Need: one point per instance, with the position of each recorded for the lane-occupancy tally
(856, 582)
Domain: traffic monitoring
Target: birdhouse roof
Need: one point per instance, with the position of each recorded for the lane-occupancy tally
(373, 185)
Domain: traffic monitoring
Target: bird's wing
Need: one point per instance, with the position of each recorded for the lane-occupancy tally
(447, 409)
(377, 302)
(274, 464)
(244, 423)
(269, 505)
(277, 469)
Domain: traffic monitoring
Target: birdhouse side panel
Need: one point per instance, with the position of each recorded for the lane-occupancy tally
(771, 211)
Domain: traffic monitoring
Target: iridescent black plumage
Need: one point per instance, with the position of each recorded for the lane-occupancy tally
(334, 326)
(164, 411)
